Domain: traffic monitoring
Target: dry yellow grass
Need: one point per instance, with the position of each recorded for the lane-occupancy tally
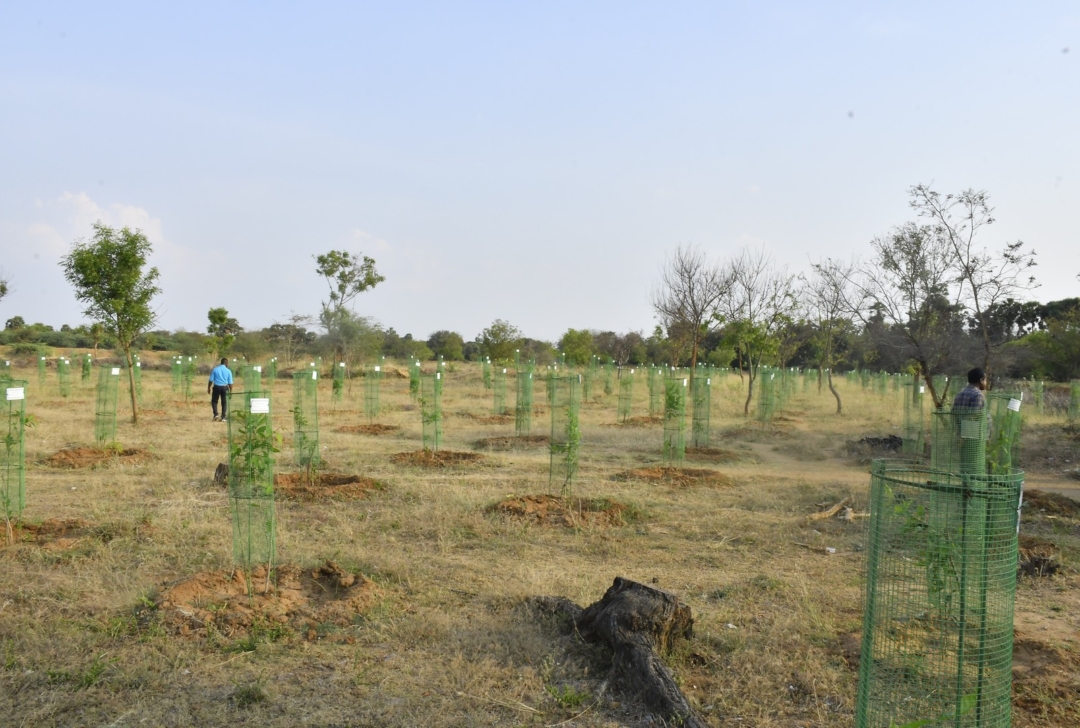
(449, 642)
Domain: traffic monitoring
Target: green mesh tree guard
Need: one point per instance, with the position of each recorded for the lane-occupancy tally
(271, 370)
(41, 372)
(674, 420)
(251, 374)
(656, 391)
(565, 432)
(895, 379)
(108, 389)
(958, 443)
(305, 414)
(626, 394)
(938, 605)
(372, 384)
(1003, 449)
(523, 405)
(914, 419)
(609, 377)
(87, 367)
(414, 380)
(587, 375)
(701, 396)
(766, 403)
(188, 376)
(486, 372)
(1074, 400)
(440, 380)
(881, 383)
(338, 382)
(498, 386)
(63, 374)
(1039, 390)
(136, 374)
(942, 386)
(13, 453)
(431, 410)
(177, 371)
(251, 477)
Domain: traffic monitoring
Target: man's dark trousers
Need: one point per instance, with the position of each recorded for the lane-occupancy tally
(219, 392)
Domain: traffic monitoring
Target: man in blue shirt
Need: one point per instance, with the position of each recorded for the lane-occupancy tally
(220, 383)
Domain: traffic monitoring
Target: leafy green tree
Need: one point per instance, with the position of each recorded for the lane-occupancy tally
(447, 344)
(223, 328)
(107, 274)
(578, 346)
(499, 340)
(14, 323)
(5, 285)
(347, 275)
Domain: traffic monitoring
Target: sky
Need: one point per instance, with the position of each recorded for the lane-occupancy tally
(532, 162)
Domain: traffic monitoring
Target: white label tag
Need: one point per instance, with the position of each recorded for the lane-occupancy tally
(504, 371)
(970, 430)
(684, 382)
(1014, 405)
(341, 364)
(260, 405)
(258, 369)
(314, 375)
(15, 393)
(138, 364)
(438, 375)
(116, 371)
(922, 390)
(378, 369)
(708, 381)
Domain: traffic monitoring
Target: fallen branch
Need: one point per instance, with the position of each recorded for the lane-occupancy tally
(830, 512)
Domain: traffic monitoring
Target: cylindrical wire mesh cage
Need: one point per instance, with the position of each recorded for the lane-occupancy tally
(498, 391)
(108, 389)
(251, 477)
(565, 438)
(431, 410)
(702, 404)
(958, 440)
(914, 420)
(940, 588)
(1074, 400)
(626, 394)
(13, 447)
(674, 451)
(305, 414)
(523, 406)
(372, 385)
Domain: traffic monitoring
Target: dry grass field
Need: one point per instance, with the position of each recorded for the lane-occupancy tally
(407, 586)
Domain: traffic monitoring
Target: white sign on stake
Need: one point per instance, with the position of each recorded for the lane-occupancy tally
(314, 375)
(378, 369)
(260, 405)
(14, 393)
(258, 369)
(1014, 405)
(116, 371)
(438, 375)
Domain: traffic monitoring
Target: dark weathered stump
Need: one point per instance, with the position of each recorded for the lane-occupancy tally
(637, 621)
(221, 474)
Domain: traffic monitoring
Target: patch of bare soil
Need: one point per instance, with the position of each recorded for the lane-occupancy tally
(711, 455)
(511, 443)
(435, 458)
(302, 599)
(90, 457)
(64, 534)
(678, 477)
(1046, 682)
(1038, 556)
(373, 429)
(646, 421)
(487, 419)
(554, 510)
(1051, 504)
(1051, 448)
(323, 486)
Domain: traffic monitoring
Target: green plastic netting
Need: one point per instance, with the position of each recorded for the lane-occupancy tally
(938, 603)
(337, 386)
(958, 440)
(87, 367)
(565, 443)
(372, 385)
(13, 451)
(1074, 400)
(523, 405)
(305, 414)
(176, 369)
(674, 419)
(656, 391)
(431, 410)
(1003, 448)
(626, 394)
(701, 395)
(914, 419)
(498, 387)
(41, 371)
(1039, 390)
(414, 380)
(486, 372)
(108, 389)
(251, 477)
(63, 375)
(766, 402)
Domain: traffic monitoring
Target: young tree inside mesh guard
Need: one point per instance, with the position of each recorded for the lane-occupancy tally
(13, 452)
(107, 273)
(108, 389)
(565, 443)
(251, 478)
(431, 410)
(305, 414)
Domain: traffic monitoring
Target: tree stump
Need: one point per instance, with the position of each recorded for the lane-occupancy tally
(637, 621)
(221, 474)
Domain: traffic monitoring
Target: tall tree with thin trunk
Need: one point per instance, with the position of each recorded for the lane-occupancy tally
(688, 295)
(107, 274)
(826, 293)
(758, 304)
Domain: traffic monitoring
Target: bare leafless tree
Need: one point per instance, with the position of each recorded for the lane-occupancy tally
(688, 295)
(759, 302)
(827, 294)
(982, 277)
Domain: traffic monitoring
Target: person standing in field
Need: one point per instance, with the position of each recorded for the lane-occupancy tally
(971, 397)
(218, 387)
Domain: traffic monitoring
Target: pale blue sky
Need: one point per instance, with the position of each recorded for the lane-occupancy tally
(526, 162)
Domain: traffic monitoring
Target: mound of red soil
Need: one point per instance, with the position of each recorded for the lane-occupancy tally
(553, 510)
(89, 457)
(373, 429)
(510, 443)
(637, 422)
(435, 458)
(711, 455)
(487, 419)
(1038, 502)
(1038, 557)
(298, 598)
(678, 477)
(323, 486)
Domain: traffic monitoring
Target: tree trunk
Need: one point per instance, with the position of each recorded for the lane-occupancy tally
(693, 363)
(636, 621)
(750, 388)
(839, 406)
(131, 385)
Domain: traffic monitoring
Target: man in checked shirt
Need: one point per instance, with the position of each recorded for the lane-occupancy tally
(971, 397)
